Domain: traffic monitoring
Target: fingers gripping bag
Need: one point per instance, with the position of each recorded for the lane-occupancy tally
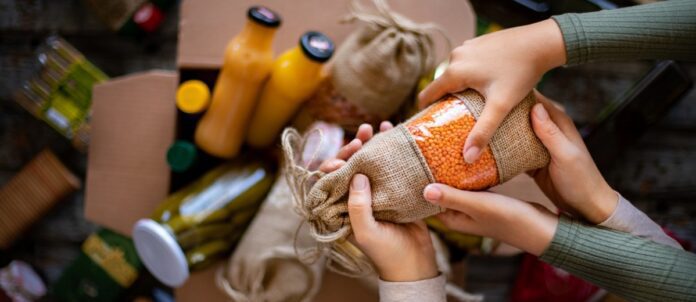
(400, 162)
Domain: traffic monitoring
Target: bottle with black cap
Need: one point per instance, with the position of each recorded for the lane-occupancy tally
(295, 76)
(247, 64)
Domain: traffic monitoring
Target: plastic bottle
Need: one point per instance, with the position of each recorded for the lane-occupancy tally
(296, 75)
(247, 63)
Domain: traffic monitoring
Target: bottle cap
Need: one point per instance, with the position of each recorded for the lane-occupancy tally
(181, 155)
(317, 46)
(148, 17)
(160, 253)
(264, 16)
(192, 96)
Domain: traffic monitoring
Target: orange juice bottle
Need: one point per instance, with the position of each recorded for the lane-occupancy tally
(247, 63)
(295, 76)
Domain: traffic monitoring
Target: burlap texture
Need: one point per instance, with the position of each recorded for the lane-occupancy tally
(514, 145)
(378, 66)
(397, 173)
(265, 266)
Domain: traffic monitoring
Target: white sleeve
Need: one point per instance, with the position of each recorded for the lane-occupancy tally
(629, 219)
(422, 290)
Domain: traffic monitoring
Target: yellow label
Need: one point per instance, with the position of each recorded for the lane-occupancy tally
(111, 260)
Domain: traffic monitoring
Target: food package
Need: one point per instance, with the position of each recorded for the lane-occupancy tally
(400, 162)
(376, 69)
(31, 193)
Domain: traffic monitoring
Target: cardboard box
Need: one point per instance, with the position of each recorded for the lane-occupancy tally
(134, 116)
(133, 123)
(206, 26)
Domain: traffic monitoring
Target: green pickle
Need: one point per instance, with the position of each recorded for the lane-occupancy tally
(202, 223)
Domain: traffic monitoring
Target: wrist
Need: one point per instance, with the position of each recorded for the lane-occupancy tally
(551, 52)
(538, 231)
(408, 271)
(604, 204)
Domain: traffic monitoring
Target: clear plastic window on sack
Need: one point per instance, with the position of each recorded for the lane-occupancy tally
(440, 132)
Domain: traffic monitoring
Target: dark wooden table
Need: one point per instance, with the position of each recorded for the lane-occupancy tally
(658, 173)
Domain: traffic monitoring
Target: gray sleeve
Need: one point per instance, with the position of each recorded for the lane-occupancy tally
(634, 268)
(423, 290)
(629, 219)
(663, 30)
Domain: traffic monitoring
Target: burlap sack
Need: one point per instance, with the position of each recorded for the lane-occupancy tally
(398, 173)
(267, 264)
(376, 69)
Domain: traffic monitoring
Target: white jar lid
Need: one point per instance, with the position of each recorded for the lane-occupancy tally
(160, 252)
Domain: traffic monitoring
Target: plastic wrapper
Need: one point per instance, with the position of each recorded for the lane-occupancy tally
(60, 92)
(440, 132)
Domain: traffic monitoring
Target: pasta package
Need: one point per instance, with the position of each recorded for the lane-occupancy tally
(400, 162)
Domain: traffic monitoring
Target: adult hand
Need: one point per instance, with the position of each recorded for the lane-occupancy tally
(503, 67)
(521, 224)
(571, 180)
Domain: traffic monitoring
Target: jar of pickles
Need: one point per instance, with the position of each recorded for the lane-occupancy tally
(202, 222)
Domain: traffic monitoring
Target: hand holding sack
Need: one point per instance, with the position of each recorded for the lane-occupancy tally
(400, 162)
(376, 69)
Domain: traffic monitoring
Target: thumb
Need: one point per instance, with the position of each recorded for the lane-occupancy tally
(360, 206)
(548, 132)
(451, 198)
(494, 111)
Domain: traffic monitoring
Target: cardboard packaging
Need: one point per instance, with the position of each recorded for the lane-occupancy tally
(133, 124)
(133, 119)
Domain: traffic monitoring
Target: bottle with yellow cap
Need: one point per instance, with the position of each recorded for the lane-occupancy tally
(247, 64)
(295, 76)
(192, 97)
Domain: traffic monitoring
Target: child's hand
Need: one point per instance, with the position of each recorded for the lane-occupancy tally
(401, 252)
(571, 180)
(518, 223)
(503, 67)
(363, 135)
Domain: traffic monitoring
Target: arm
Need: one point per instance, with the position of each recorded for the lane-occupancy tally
(629, 219)
(505, 65)
(663, 30)
(631, 267)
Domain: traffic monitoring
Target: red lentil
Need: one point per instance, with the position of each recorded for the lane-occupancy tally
(440, 132)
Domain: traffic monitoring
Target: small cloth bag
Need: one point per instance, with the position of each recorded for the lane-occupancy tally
(400, 162)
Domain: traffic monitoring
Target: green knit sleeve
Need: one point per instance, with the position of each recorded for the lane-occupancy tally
(634, 268)
(663, 30)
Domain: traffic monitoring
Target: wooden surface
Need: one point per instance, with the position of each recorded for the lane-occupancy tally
(657, 173)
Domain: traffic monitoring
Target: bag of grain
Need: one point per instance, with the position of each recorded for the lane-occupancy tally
(400, 162)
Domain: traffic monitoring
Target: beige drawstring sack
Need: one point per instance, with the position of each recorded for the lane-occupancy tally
(398, 173)
(376, 69)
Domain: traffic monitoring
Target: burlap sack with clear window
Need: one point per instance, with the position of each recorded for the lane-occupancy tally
(267, 264)
(398, 173)
(376, 69)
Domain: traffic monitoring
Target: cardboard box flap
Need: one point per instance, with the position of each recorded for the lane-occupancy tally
(206, 26)
(133, 124)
